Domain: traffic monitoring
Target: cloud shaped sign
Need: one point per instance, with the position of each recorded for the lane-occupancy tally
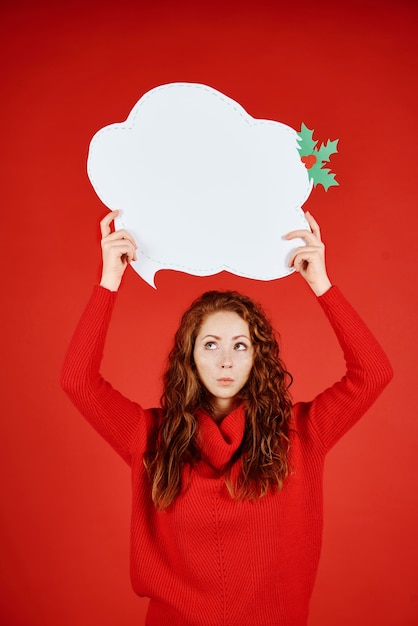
(202, 185)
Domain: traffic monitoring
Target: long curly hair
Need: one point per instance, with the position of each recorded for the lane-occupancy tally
(263, 453)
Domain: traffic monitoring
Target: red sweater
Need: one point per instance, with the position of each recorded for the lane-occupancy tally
(209, 560)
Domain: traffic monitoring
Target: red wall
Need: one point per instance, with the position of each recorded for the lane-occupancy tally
(346, 69)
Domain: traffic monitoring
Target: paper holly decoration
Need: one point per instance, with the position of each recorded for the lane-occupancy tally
(316, 158)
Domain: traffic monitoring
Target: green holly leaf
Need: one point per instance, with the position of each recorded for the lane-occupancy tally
(306, 142)
(322, 176)
(326, 150)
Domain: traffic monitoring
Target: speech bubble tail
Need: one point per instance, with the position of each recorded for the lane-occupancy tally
(146, 268)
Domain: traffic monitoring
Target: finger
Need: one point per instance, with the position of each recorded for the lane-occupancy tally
(130, 255)
(106, 221)
(117, 245)
(120, 250)
(315, 228)
(306, 235)
(301, 262)
(118, 235)
(305, 252)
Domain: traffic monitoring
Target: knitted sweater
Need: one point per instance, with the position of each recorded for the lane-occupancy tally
(209, 560)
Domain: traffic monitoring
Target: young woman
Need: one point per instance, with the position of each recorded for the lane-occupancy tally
(227, 474)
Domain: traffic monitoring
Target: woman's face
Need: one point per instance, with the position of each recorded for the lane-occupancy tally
(223, 355)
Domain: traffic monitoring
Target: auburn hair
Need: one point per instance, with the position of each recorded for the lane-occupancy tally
(263, 452)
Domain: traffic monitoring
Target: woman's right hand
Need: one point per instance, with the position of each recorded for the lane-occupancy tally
(118, 250)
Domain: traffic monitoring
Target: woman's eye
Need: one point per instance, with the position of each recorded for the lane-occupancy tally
(210, 345)
(240, 346)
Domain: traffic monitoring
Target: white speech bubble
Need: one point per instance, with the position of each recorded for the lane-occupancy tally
(202, 186)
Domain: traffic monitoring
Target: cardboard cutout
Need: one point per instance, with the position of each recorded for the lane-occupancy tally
(202, 185)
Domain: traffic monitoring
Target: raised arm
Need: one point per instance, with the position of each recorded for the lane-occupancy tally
(334, 411)
(116, 418)
(368, 370)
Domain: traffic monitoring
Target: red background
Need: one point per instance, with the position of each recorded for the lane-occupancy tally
(348, 70)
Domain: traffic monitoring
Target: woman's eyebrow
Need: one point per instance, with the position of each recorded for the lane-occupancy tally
(219, 338)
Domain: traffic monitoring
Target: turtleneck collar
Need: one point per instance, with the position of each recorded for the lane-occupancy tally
(219, 442)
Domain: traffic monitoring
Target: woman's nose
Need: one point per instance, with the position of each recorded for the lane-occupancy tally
(226, 361)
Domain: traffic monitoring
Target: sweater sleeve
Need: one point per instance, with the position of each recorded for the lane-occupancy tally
(332, 413)
(119, 420)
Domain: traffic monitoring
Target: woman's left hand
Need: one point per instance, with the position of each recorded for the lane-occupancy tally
(309, 260)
